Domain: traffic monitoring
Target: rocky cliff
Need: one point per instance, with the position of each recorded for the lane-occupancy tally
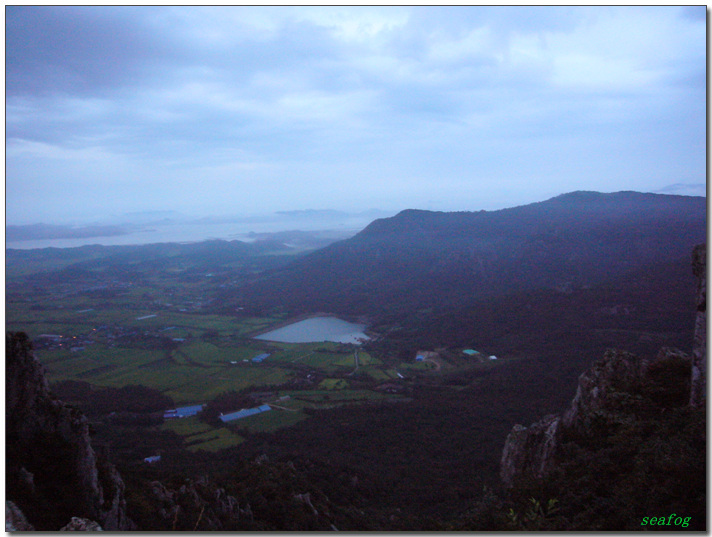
(618, 390)
(52, 472)
(532, 452)
(530, 449)
(699, 347)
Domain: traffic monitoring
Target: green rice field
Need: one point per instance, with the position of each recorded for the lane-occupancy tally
(145, 333)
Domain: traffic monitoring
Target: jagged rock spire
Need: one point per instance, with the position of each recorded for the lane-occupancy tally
(52, 471)
(699, 347)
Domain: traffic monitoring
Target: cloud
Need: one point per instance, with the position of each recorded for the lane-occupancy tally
(355, 105)
(76, 50)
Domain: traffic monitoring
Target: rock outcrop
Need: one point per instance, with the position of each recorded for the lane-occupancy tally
(599, 388)
(15, 519)
(699, 346)
(52, 472)
(192, 506)
(606, 396)
(530, 450)
(81, 524)
(608, 391)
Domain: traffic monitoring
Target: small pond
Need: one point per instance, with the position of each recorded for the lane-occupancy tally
(317, 329)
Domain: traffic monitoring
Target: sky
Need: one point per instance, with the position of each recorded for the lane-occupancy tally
(249, 110)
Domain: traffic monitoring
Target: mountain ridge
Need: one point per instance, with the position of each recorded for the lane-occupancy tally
(420, 259)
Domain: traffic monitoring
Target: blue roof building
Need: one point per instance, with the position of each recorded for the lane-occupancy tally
(150, 460)
(244, 413)
(182, 412)
(260, 357)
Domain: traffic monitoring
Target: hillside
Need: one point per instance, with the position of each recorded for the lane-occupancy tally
(421, 259)
(628, 452)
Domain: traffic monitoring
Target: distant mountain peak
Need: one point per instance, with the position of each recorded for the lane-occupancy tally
(685, 189)
(592, 196)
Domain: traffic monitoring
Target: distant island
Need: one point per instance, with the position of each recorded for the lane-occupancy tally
(47, 231)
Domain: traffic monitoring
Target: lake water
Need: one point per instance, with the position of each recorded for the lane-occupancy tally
(318, 329)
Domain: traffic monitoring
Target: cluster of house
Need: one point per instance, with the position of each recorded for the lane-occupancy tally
(429, 355)
(56, 341)
(256, 360)
(114, 332)
(421, 356)
(474, 353)
(184, 307)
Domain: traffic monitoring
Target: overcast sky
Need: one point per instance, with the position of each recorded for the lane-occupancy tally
(244, 110)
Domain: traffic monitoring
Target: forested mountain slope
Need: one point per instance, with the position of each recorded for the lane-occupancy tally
(422, 259)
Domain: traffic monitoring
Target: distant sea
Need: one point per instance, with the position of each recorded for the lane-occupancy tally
(197, 232)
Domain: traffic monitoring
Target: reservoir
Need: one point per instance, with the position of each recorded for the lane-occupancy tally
(317, 329)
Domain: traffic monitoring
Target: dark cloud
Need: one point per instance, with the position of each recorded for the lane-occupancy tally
(76, 50)
(392, 104)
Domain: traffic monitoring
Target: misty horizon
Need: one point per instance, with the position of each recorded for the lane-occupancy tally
(187, 217)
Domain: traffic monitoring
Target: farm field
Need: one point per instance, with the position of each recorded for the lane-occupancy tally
(113, 324)
(198, 435)
(193, 358)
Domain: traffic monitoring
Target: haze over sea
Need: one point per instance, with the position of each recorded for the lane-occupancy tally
(337, 226)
